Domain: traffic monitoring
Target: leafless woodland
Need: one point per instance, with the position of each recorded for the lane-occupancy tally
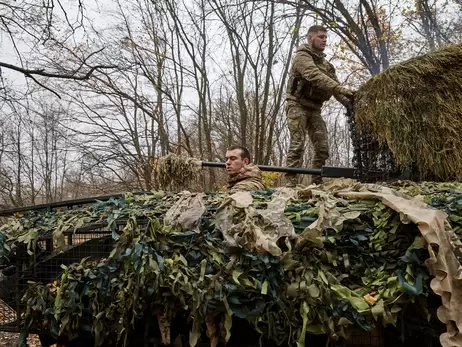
(93, 92)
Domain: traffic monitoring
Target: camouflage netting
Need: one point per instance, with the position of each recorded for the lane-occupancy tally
(414, 109)
(290, 262)
(178, 171)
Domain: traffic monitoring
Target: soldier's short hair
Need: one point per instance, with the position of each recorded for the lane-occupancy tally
(316, 28)
(244, 151)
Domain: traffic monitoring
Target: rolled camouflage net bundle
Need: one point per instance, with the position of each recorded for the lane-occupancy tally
(178, 171)
(290, 262)
(414, 108)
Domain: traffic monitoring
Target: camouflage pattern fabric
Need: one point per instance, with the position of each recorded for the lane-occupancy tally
(312, 79)
(302, 121)
(248, 178)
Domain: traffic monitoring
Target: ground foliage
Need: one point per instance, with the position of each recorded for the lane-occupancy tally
(363, 268)
(414, 109)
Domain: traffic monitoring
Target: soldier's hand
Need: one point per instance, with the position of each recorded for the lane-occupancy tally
(346, 92)
(345, 101)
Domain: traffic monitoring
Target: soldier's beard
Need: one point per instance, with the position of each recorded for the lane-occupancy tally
(317, 48)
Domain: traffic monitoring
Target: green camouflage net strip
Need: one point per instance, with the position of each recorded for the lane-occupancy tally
(330, 260)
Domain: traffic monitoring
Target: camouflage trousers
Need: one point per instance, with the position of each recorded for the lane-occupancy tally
(304, 121)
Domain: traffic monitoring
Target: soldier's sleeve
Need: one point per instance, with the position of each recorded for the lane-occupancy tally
(334, 73)
(339, 97)
(307, 68)
(343, 100)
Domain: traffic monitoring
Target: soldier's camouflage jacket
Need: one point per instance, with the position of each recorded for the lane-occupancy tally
(248, 178)
(312, 78)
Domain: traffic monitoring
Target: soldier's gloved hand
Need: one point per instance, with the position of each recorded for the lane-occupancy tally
(345, 102)
(346, 92)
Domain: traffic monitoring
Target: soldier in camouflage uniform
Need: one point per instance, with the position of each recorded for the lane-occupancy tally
(312, 82)
(242, 176)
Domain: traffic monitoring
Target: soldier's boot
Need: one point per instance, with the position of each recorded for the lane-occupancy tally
(291, 180)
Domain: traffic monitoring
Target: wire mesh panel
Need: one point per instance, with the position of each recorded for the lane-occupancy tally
(44, 266)
(372, 161)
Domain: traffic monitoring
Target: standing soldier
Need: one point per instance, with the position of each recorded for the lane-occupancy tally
(312, 82)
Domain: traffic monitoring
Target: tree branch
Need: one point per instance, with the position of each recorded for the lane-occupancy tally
(42, 72)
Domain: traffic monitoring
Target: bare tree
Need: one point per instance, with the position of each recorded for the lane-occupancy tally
(435, 21)
(191, 24)
(126, 115)
(188, 77)
(49, 151)
(47, 27)
(11, 160)
(261, 43)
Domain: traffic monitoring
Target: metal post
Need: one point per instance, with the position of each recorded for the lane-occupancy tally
(325, 171)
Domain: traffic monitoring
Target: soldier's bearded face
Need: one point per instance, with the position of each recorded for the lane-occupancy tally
(318, 40)
(234, 161)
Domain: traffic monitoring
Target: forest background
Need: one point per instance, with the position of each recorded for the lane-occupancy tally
(92, 93)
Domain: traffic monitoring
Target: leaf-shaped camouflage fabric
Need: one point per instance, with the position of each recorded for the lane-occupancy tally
(353, 257)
